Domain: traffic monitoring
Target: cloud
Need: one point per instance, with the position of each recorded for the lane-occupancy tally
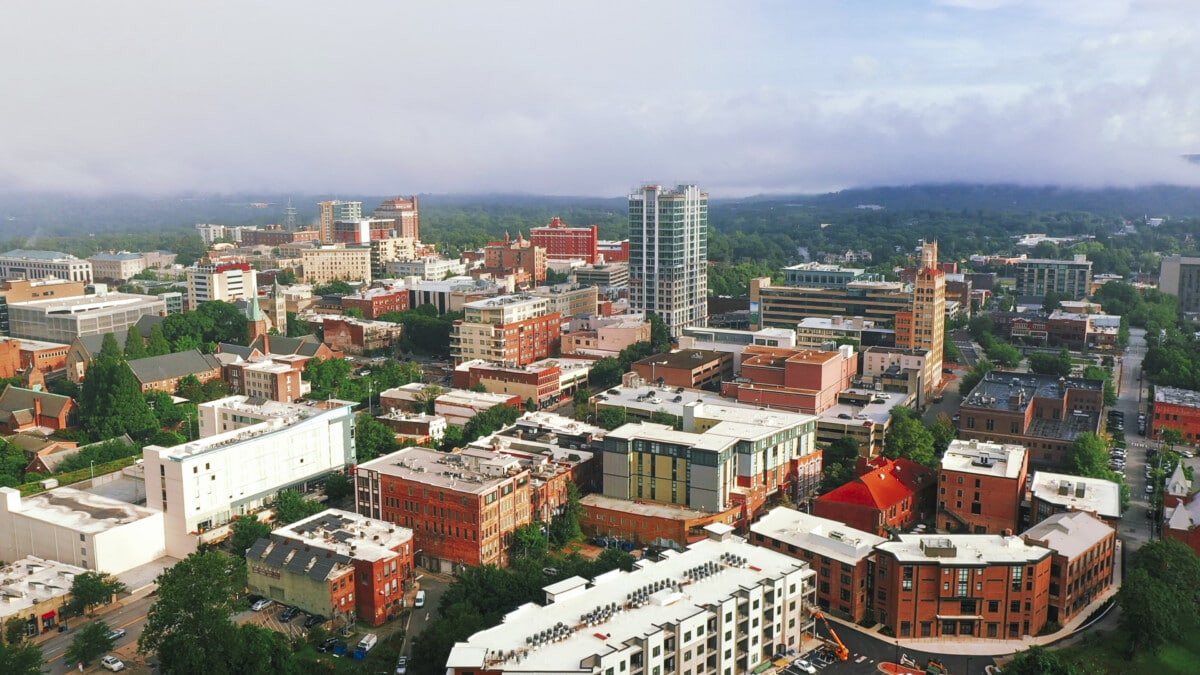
(594, 97)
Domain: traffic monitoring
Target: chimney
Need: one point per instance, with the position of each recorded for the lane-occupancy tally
(37, 410)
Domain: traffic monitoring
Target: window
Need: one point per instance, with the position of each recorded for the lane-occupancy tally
(926, 628)
(907, 582)
(1016, 577)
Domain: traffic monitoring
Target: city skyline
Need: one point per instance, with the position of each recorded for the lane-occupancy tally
(594, 98)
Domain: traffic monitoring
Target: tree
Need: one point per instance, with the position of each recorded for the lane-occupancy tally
(660, 334)
(528, 541)
(109, 349)
(453, 437)
(566, 528)
(89, 643)
(610, 418)
(663, 417)
(94, 588)
(1110, 390)
(1161, 594)
(296, 327)
(909, 438)
(14, 630)
(1088, 456)
(247, 530)
(373, 438)
(135, 345)
(975, 376)
(189, 622)
(22, 659)
(111, 401)
(944, 432)
(1038, 660)
(338, 486)
(1171, 436)
(606, 373)
(531, 405)
(840, 461)
(1052, 301)
(354, 313)
(1051, 364)
(489, 421)
(335, 287)
(291, 506)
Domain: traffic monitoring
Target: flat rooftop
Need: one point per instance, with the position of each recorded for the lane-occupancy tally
(349, 534)
(1069, 534)
(878, 409)
(473, 471)
(685, 359)
(31, 581)
(962, 550)
(984, 459)
(82, 511)
(503, 300)
(1099, 496)
(1175, 396)
(87, 303)
(1013, 391)
(734, 564)
(663, 399)
(732, 412)
(819, 535)
(471, 399)
(643, 508)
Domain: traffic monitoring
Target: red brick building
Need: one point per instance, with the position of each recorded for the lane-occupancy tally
(981, 486)
(688, 368)
(463, 507)
(974, 585)
(567, 243)
(375, 302)
(10, 358)
(1041, 412)
(406, 214)
(614, 251)
(25, 409)
(275, 381)
(645, 523)
(840, 555)
(888, 496)
(164, 372)
(1083, 563)
(359, 336)
(1176, 409)
(274, 235)
(542, 382)
(507, 254)
(45, 357)
(803, 380)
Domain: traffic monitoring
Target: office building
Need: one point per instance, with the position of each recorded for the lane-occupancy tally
(544, 382)
(923, 326)
(429, 269)
(405, 214)
(462, 507)
(248, 451)
(264, 378)
(374, 302)
(1177, 409)
(117, 266)
(336, 564)
(720, 606)
(26, 290)
(604, 336)
(568, 300)
(567, 243)
(801, 380)
(1069, 278)
(333, 211)
(841, 556)
(503, 257)
(605, 277)
(981, 487)
(511, 329)
(1084, 561)
(1180, 276)
(815, 290)
(26, 264)
(613, 251)
(79, 528)
(64, 319)
(457, 406)
(687, 368)
(668, 255)
(363, 232)
(224, 280)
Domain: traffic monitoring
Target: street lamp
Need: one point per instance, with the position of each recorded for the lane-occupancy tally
(653, 370)
(92, 469)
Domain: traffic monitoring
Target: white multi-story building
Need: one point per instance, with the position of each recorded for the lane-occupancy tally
(118, 266)
(429, 269)
(668, 254)
(64, 319)
(79, 528)
(720, 606)
(24, 264)
(247, 453)
(226, 281)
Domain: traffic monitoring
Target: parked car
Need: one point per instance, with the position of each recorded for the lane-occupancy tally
(314, 620)
(1149, 489)
(420, 601)
(402, 665)
(289, 614)
(116, 633)
(804, 665)
(327, 645)
(112, 663)
(260, 605)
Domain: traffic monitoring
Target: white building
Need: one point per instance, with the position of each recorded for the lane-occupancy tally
(247, 453)
(24, 264)
(429, 269)
(1059, 492)
(814, 331)
(227, 281)
(34, 589)
(79, 528)
(64, 319)
(459, 406)
(735, 341)
(120, 266)
(716, 607)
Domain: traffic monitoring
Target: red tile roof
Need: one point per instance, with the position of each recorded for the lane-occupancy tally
(888, 483)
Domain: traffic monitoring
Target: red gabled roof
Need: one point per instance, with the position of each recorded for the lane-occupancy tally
(882, 487)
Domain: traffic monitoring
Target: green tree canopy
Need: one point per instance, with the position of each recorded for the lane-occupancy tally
(1087, 456)
(291, 506)
(372, 438)
(1160, 595)
(135, 344)
(1058, 364)
(1038, 660)
(610, 418)
(246, 531)
(338, 487)
(89, 643)
(606, 373)
(188, 626)
(909, 438)
(94, 588)
(111, 401)
(489, 421)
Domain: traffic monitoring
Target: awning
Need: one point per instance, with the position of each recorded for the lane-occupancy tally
(958, 617)
(49, 615)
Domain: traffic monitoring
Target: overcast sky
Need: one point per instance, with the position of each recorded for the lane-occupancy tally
(592, 98)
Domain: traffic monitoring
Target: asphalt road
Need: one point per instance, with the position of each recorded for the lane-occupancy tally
(131, 617)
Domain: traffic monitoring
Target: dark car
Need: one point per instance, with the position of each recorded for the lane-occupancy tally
(327, 645)
(289, 614)
(314, 620)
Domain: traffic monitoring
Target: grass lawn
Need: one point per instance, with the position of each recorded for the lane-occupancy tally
(1105, 652)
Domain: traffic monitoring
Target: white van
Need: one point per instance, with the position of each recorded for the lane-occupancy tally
(368, 642)
(420, 602)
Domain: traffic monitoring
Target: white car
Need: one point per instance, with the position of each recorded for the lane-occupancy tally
(260, 605)
(804, 665)
(1149, 489)
(112, 663)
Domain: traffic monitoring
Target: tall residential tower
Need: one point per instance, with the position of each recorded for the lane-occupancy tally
(668, 254)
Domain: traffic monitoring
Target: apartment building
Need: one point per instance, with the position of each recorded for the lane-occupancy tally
(720, 606)
(974, 585)
(224, 280)
(429, 269)
(405, 213)
(332, 263)
(607, 276)
(1177, 409)
(567, 243)
(604, 336)
(1038, 276)
(248, 451)
(265, 378)
(981, 486)
(29, 264)
(331, 212)
(462, 507)
(1083, 564)
(390, 249)
(668, 255)
(841, 556)
(567, 299)
(514, 329)
(1050, 493)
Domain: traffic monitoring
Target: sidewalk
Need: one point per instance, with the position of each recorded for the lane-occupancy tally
(975, 646)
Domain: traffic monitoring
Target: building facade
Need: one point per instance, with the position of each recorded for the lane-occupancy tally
(887, 496)
(1177, 409)
(1038, 276)
(332, 263)
(923, 326)
(27, 264)
(1180, 276)
(63, 320)
(981, 486)
(688, 368)
(332, 211)
(567, 243)
(668, 255)
(1082, 567)
(117, 266)
(405, 213)
(507, 255)
(511, 329)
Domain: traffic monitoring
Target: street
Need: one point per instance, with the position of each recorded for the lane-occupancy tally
(131, 617)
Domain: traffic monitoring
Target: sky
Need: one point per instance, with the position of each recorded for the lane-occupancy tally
(594, 98)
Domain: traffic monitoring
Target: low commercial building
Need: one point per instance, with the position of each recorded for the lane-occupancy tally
(462, 507)
(543, 382)
(599, 336)
(1177, 409)
(79, 528)
(1083, 564)
(721, 606)
(419, 428)
(864, 415)
(970, 585)
(36, 589)
(336, 564)
(815, 332)
(800, 380)
(687, 368)
(375, 302)
(735, 341)
(248, 451)
(841, 556)
(904, 370)
(64, 319)
(429, 269)
(164, 373)
(1051, 493)
(981, 487)
(458, 407)
(45, 357)
(359, 336)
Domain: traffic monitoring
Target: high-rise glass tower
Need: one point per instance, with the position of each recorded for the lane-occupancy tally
(668, 254)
